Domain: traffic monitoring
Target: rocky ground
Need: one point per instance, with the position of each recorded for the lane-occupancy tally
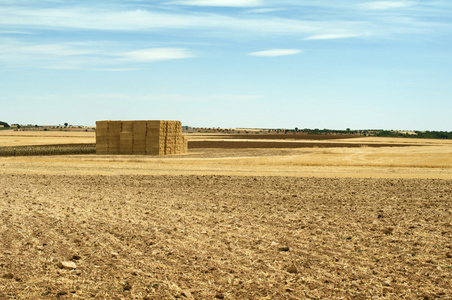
(207, 237)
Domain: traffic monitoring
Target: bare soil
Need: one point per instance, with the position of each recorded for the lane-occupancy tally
(280, 136)
(194, 144)
(224, 237)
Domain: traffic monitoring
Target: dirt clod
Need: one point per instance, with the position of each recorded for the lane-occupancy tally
(8, 276)
(292, 269)
(126, 286)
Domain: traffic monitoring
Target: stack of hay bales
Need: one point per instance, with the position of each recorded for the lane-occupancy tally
(102, 137)
(140, 137)
(126, 137)
(114, 142)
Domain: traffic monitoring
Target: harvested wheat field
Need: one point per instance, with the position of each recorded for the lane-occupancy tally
(206, 237)
(300, 223)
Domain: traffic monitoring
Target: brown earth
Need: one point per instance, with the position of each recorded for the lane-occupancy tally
(194, 144)
(270, 136)
(145, 227)
(224, 237)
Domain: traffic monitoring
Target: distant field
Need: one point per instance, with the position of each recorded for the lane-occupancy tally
(370, 157)
(25, 138)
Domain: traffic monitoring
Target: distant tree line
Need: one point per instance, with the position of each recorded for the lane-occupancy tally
(416, 134)
(6, 125)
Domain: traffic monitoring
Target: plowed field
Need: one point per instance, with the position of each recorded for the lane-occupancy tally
(224, 237)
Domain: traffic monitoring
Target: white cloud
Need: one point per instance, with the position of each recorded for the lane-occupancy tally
(276, 52)
(223, 3)
(156, 54)
(332, 36)
(102, 56)
(382, 5)
(264, 10)
(94, 19)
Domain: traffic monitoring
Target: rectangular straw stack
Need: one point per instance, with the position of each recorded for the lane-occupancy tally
(155, 138)
(102, 137)
(114, 130)
(126, 138)
(140, 137)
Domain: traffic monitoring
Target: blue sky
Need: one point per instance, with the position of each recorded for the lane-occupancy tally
(228, 63)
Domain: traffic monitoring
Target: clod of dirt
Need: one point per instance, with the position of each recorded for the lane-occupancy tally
(8, 276)
(283, 249)
(388, 230)
(449, 254)
(219, 295)
(69, 265)
(292, 269)
(127, 286)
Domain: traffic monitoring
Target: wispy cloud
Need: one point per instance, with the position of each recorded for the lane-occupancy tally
(382, 5)
(264, 10)
(103, 56)
(332, 36)
(156, 54)
(223, 3)
(132, 20)
(276, 52)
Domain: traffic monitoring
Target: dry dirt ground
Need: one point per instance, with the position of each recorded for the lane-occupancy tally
(309, 223)
(224, 237)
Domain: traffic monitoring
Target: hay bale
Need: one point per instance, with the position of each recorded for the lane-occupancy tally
(155, 137)
(114, 130)
(101, 128)
(127, 126)
(126, 143)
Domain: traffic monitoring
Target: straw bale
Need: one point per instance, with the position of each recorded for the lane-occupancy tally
(103, 125)
(114, 128)
(127, 126)
(153, 151)
(153, 132)
(101, 149)
(139, 127)
(139, 147)
(126, 143)
(152, 140)
(102, 139)
(101, 134)
(126, 135)
(154, 124)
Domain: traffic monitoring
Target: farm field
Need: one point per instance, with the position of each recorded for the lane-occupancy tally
(228, 223)
(10, 138)
(224, 237)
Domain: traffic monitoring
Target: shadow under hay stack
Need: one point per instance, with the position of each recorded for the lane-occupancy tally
(140, 137)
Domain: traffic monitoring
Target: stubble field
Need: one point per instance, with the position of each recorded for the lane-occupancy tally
(310, 223)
